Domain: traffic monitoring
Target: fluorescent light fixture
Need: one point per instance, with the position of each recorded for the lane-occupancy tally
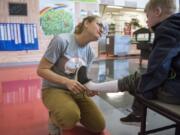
(108, 13)
(118, 7)
(139, 9)
(115, 13)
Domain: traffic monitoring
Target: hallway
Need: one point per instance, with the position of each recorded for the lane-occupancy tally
(22, 112)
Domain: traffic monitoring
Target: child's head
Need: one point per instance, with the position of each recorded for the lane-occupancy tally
(159, 10)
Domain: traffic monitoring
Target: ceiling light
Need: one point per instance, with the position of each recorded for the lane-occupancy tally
(139, 9)
(118, 7)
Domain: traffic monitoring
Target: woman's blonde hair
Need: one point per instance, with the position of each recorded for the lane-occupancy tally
(80, 27)
(167, 6)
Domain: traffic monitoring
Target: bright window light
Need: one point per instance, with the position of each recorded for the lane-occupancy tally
(114, 95)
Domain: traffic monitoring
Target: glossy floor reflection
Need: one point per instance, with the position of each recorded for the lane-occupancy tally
(21, 108)
(22, 112)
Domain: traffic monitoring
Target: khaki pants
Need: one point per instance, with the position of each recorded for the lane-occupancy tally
(67, 109)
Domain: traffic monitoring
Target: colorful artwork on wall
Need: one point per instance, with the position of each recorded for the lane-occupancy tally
(56, 17)
(18, 36)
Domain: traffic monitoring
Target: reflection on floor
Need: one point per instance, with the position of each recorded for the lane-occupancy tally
(22, 112)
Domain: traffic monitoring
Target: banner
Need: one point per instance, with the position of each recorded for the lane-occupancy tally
(17, 37)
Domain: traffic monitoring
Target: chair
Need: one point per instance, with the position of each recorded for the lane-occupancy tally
(169, 111)
(143, 38)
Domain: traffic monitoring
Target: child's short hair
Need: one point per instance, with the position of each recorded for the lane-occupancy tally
(167, 6)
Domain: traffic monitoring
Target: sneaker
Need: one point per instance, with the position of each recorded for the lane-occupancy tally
(131, 119)
(81, 75)
(53, 129)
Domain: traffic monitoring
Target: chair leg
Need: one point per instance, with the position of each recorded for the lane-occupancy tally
(177, 132)
(143, 121)
(140, 61)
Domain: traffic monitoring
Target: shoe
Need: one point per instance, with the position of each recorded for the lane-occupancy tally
(131, 119)
(52, 128)
(81, 75)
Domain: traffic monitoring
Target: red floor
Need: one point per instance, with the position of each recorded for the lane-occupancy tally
(79, 130)
(21, 109)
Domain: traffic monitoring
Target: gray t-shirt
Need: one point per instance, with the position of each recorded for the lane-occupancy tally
(64, 48)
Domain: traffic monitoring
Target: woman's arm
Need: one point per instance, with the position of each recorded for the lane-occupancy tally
(44, 70)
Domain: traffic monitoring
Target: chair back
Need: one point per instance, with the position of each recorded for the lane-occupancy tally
(143, 35)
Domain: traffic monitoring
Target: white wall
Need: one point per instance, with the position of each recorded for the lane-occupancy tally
(131, 3)
(138, 3)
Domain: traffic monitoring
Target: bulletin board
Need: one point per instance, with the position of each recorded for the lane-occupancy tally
(18, 37)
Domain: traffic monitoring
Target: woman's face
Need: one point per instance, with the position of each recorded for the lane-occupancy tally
(94, 29)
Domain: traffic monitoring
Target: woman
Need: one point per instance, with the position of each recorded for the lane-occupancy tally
(62, 95)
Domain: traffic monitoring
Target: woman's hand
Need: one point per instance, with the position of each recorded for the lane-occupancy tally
(91, 93)
(75, 86)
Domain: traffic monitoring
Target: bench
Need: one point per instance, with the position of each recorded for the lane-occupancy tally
(169, 111)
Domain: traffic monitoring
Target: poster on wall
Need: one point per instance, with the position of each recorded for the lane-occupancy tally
(18, 37)
(56, 16)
